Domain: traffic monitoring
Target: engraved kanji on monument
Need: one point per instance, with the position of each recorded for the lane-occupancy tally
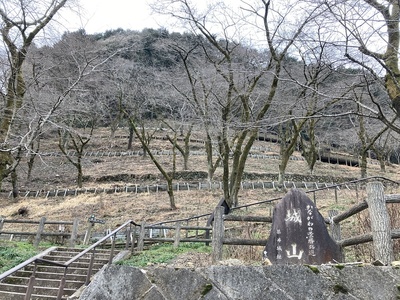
(299, 234)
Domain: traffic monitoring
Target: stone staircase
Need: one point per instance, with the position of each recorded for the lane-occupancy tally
(48, 277)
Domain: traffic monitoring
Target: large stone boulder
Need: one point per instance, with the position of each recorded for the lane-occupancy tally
(276, 282)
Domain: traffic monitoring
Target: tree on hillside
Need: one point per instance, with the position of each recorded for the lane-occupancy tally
(369, 131)
(370, 38)
(185, 148)
(140, 95)
(77, 139)
(21, 23)
(54, 76)
(306, 94)
(198, 94)
(241, 105)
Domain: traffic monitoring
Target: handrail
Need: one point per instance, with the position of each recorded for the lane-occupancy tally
(37, 259)
(27, 262)
(80, 254)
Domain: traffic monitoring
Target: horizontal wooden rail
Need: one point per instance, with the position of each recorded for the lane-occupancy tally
(238, 218)
(244, 242)
(365, 238)
(37, 222)
(184, 240)
(182, 227)
(21, 233)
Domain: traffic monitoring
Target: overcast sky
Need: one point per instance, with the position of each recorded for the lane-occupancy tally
(100, 15)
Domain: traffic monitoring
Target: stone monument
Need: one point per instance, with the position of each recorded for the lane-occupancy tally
(299, 234)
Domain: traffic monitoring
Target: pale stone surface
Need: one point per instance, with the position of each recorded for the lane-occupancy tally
(276, 282)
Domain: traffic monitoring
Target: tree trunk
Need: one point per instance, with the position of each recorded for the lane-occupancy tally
(170, 192)
(130, 140)
(380, 223)
(186, 148)
(363, 164)
(211, 165)
(382, 165)
(309, 148)
(14, 182)
(80, 172)
(31, 159)
(282, 170)
(5, 163)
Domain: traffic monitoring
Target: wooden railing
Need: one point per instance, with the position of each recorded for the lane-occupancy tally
(202, 234)
(91, 250)
(62, 232)
(218, 226)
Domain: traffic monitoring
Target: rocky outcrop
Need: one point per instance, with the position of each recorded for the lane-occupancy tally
(246, 282)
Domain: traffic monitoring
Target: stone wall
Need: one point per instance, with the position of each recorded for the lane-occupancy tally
(246, 282)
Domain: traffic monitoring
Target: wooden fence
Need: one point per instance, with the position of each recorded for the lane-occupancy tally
(381, 236)
(62, 231)
(178, 231)
(59, 232)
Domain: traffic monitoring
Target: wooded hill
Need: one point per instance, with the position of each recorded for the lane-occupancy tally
(224, 93)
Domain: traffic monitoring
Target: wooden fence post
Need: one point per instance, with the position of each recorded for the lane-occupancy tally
(133, 239)
(335, 227)
(336, 198)
(217, 234)
(128, 236)
(177, 234)
(141, 237)
(74, 233)
(88, 233)
(39, 232)
(380, 223)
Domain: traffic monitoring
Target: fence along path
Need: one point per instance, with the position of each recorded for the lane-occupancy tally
(157, 232)
(186, 186)
(159, 152)
(331, 158)
(179, 186)
(333, 220)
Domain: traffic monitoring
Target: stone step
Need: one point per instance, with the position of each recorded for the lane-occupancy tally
(39, 290)
(63, 259)
(4, 295)
(75, 251)
(56, 269)
(79, 264)
(45, 282)
(47, 275)
(100, 255)
(78, 250)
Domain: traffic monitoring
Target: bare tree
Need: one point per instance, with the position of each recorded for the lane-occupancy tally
(371, 40)
(168, 176)
(369, 130)
(185, 148)
(79, 141)
(241, 108)
(21, 23)
(198, 94)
